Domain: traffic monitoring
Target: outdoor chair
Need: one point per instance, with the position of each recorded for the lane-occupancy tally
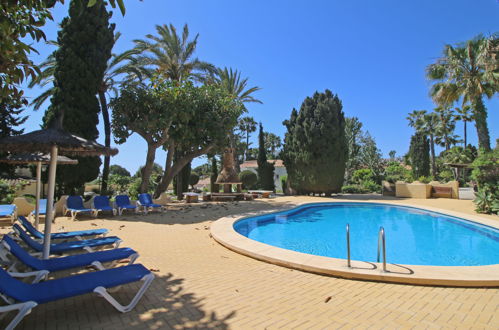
(61, 235)
(23, 207)
(23, 297)
(74, 204)
(95, 259)
(58, 248)
(42, 208)
(9, 210)
(145, 200)
(123, 203)
(101, 203)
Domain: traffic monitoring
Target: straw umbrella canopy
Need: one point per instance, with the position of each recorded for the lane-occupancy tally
(39, 159)
(54, 140)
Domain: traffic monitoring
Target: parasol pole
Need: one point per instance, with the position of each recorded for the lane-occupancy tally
(38, 188)
(50, 202)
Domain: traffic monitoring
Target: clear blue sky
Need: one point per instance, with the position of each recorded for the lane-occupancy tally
(373, 54)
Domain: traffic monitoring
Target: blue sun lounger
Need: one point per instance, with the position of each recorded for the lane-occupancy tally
(101, 203)
(75, 261)
(8, 210)
(145, 200)
(23, 297)
(123, 203)
(67, 246)
(63, 235)
(42, 208)
(74, 204)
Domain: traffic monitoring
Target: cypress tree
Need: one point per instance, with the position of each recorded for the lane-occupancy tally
(265, 169)
(10, 111)
(315, 148)
(85, 40)
(419, 154)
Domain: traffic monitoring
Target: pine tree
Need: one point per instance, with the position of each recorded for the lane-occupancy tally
(265, 169)
(419, 154)
(315, 148)
(85, 40)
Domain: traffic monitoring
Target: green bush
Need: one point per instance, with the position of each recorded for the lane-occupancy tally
(353, 189)
(486, 174)
(7, 192)
(248, 178)
(363, 175)
(395, 171)
(284, 183)
(371, 186)
(425, 179)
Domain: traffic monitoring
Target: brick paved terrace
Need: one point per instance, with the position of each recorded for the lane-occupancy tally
(201, 284)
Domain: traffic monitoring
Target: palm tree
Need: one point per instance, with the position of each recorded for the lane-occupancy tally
(247, 125)
(461, 74)
(230, 80)
(116, 72)
(446, 125)
(426, 123)
(464, 114)
(171, 55)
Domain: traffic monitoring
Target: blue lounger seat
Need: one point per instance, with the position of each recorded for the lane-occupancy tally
(8, 210)
(145, 200)
(42, 208)
(123, 203)
(75, 261)
(101, 203)
(59, 248)
(74, 204)
(23, 297)
(63, 235)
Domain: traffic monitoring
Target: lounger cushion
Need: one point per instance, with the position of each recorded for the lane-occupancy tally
(69, 286)
(66, 246)
(68, 262)
(37, 234)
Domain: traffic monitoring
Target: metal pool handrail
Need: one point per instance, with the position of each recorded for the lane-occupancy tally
(382, 244)
(348, 246)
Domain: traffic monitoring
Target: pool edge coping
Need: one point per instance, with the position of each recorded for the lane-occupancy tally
(223, 232)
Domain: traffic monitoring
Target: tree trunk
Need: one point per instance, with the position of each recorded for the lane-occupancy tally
(465, 135)
(163, 184)
(432, 150)
(179, 164)
(247, 146)
(107, 140)
(481, 124)
(147, 170)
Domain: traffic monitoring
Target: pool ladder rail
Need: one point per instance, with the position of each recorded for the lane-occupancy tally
(381, 247)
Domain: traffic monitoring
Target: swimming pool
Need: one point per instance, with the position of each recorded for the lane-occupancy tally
(413, 236)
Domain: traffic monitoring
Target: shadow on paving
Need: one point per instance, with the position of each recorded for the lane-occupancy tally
(165, 305)
(182, 213)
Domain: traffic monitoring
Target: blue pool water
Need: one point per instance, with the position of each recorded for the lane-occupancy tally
(413, 236)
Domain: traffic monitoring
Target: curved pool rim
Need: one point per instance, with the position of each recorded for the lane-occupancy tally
(224, 233)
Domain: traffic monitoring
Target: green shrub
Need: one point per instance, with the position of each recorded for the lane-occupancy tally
(486, 174)
(353, 189)
(248, 178)
(425, 179)
(284, 182)
(371, 186)
(7, 192)
(363, 175)
(395, 171)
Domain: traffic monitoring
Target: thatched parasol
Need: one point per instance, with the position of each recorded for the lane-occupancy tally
(38, 159)
(53, 139)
